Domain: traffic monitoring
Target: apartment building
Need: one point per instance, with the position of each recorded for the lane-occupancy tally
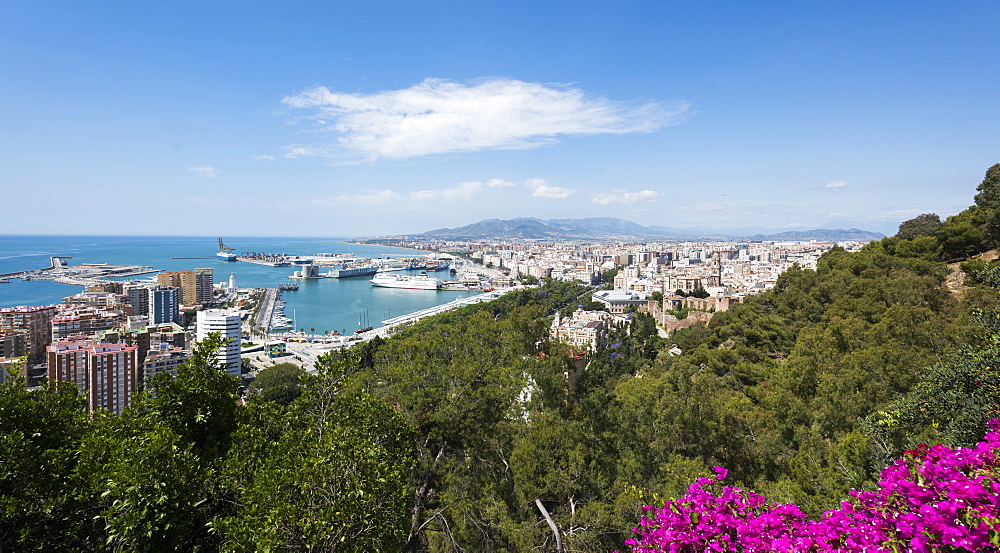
(229, 326)
(164, 304)
(36, 321)
(84, 320)
(195, 286)
(108, 374)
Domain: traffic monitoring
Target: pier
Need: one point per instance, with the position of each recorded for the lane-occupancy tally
(30, 274)
(81, 275)
(267, 307)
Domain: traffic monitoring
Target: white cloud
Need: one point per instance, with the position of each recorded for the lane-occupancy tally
(623, 197)
(499, 183)
(207, 172)
(835, 184)
(542, 190)
(264, 157)
(552, 192)
(439, 116)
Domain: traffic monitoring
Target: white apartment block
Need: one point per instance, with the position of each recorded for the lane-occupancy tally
(228, 325)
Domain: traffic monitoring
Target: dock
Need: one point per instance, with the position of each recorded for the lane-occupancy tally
(271, 298)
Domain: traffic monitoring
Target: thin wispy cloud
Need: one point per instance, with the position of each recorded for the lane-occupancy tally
(625, 197)
(440, 116)
(836, 184)
(380, 197)
(207, 172)
(717, 208)
(901, 213)
(463, 191)
(499, 183)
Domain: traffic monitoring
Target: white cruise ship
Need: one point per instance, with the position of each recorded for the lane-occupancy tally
(419, 282)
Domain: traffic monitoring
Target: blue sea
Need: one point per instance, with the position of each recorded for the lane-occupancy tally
(325, 304)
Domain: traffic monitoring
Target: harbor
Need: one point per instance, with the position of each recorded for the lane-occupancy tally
(328, 305)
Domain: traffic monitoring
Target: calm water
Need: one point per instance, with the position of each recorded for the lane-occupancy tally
(326, 304)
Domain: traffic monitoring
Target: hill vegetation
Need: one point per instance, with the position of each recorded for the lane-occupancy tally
(442, 437)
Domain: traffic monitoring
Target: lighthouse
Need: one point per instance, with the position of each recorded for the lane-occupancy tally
(232, 284)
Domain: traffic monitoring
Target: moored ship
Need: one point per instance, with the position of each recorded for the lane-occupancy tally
(349, 271)
(419, 282)
(225, 252)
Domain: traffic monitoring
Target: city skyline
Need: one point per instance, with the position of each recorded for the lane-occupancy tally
(315, 119)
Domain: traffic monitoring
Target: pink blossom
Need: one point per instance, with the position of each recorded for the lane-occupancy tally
(934, 497)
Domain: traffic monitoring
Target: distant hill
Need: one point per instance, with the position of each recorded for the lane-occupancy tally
(825, 235)
(605, 228)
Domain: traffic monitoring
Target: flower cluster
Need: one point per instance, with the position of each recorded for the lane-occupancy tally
(934, 498)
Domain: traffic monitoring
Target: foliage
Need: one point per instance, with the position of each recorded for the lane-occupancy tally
(199, 402)
(926, 224)
(149, 486)
(281, 383)
(41, 435)
(330, 474)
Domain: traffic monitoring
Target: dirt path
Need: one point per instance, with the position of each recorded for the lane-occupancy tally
(955, 281)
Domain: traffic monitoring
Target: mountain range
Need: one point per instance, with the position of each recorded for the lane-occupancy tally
(605, 228)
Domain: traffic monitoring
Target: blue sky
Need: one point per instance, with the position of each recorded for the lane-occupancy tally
(362, 118)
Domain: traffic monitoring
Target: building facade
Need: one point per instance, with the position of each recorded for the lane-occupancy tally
(229, 326)
(164, 304)
(108, 374)
(36, 321)
(195, 286)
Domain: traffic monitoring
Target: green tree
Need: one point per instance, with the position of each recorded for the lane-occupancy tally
(199, 403)
(925, 224)
(962, 235)
(152, 492)
(41, 434)
(281, 383)
(332, 473)
(458, 384)
(988, 196)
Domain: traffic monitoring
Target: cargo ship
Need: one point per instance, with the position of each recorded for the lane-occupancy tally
(225, 252)
(419, 282)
